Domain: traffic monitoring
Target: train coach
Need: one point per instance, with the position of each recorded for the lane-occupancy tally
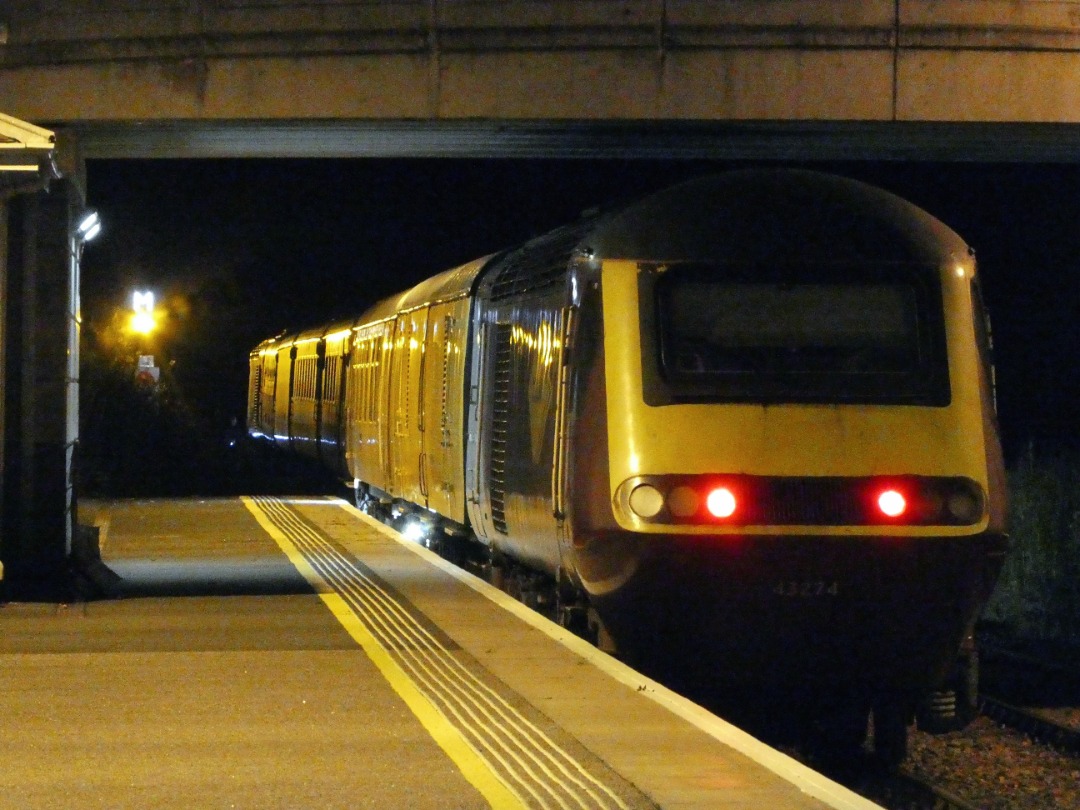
(743, 428)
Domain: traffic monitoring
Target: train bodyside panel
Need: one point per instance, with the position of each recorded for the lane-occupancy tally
(519, 419)
(261, 385)
(255, 374)
(408, 387)
(521, 365)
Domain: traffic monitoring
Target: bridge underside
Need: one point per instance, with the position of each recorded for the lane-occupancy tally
(984, 142)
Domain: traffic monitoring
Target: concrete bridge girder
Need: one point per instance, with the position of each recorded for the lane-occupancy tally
(879, 60)
(516, 85)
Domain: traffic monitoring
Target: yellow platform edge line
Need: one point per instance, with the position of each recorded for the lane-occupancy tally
(497, 794)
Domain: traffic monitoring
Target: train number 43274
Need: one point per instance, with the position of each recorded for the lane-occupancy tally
(806, 588)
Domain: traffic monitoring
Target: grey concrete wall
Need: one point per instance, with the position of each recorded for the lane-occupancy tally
(837, 60)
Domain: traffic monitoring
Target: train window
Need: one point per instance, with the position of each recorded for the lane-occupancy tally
(820, 335)
(331, 366)
(757, 327)
(305, 371)
(364, 382)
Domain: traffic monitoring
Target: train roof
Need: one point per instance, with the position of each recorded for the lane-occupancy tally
(754, 216)
(445, 286)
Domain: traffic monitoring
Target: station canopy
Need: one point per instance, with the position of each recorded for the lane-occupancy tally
(26, 153)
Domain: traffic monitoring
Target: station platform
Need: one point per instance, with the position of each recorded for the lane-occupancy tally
(294, 653)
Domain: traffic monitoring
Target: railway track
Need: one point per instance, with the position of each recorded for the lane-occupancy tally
(1035, 693)
(1035, 723)
(1023, 750)
(903, 790)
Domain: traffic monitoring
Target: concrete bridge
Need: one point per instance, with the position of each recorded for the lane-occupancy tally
(330, 77)
(801, 79)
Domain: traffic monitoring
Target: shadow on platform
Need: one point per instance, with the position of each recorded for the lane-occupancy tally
(206, 577)
(188, 576)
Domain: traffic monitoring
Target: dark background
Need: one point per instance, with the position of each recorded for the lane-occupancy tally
(238, 250)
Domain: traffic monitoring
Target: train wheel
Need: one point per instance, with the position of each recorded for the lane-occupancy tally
(890, 731)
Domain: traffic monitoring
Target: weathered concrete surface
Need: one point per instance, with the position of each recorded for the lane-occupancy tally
(880, 60)
(220, 680)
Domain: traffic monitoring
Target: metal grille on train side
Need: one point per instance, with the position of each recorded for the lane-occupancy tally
(500, 419)
(804, 501)
(538, 264)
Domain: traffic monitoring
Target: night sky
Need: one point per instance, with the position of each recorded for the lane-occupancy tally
(236, 251)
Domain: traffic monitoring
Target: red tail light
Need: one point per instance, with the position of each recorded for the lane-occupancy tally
(721, 502)
(892, 503)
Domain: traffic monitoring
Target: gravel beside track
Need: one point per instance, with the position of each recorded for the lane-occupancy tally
(996, 768)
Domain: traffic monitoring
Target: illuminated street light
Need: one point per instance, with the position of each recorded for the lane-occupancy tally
(142, 319)
(89, 225)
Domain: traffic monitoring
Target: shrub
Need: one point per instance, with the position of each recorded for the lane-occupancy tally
(1037, 596)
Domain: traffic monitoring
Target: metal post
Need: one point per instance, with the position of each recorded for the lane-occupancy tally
(41, 394)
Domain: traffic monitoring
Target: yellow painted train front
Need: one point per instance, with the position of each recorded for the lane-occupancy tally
(743, 428)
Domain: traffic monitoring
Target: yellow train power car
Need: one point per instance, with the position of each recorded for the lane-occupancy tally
(746, 424)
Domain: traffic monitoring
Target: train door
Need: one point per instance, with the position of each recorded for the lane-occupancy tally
(255, 371)
(303, 397)
(365, 414)
(267, 384)
(443, 408)
(407, 407)
(283, 395)
(331, 406)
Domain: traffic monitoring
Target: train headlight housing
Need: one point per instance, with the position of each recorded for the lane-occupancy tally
(646, 501)
(964, 506)
(683, 501)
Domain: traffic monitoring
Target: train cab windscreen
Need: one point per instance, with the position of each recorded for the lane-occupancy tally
(834, 337)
